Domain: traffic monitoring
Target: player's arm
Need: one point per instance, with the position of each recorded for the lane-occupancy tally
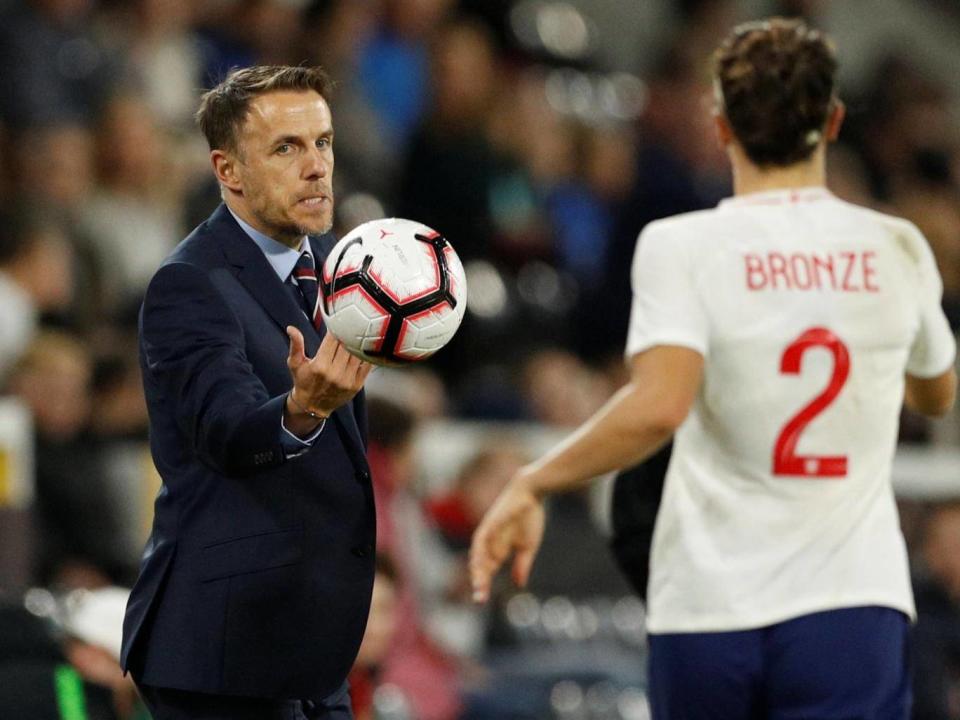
(931, 396)
(931, 380)
(632, 425)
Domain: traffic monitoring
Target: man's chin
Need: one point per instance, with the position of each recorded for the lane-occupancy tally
(317, 225)
(317, 228)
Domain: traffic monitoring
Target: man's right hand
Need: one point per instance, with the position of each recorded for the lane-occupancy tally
(322, 383)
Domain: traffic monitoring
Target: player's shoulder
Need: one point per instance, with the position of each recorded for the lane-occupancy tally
(688, 226)
(890, 223)
(901, 234)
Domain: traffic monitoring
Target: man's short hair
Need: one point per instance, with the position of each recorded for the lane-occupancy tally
(224, 108)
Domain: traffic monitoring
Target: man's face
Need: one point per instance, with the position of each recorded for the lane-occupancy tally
(284, 165)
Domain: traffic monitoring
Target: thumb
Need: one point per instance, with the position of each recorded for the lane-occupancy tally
(296, 356)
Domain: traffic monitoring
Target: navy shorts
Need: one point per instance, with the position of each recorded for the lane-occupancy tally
(848, 663)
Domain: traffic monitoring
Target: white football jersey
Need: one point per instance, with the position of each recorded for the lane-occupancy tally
(808, 312)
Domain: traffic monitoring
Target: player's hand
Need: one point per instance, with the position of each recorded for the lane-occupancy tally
(326, 381)
(512, 526)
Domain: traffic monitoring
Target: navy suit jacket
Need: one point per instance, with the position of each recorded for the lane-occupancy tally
(257, 576)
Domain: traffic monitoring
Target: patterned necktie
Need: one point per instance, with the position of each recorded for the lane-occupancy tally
(305, 275)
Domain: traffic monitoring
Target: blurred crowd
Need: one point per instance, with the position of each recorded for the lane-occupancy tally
(530, 136)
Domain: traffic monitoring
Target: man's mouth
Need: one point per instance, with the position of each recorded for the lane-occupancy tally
(313, 201)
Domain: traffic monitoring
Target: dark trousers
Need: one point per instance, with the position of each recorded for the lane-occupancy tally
(170, 704)
(834, 665)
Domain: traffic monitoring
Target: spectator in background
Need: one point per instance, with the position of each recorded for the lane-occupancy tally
(454, 619)
(117, 434)
(930, 198)
(394, 64)
(450, 167)
(91, 621)
(35, 278)
(560, 389)
(38, 678)
(76, 534)
(377, 638)
(162, 53)
(53, 172)
(138, 188)
(53, 165)
(4, 164)
(415, 663)
(848, 178)
(936, 637)
(335, 34)
(447, 176)
(457, 513)
(53, 70)
(119, 408)
(250, 32)
(906, 114)
(678, 169)
(416, 388)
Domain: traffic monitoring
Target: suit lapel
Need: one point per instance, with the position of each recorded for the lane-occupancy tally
(259, 278)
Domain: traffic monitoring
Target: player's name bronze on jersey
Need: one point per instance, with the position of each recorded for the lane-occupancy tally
(840, 271)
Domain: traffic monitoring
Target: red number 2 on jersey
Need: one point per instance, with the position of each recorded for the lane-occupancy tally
(785, 459)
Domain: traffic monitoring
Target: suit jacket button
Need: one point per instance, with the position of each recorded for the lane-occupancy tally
(361, 551)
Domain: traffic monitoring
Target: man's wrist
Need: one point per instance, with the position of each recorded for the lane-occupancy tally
(294, 407)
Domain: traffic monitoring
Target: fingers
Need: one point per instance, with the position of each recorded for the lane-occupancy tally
(522, 563)
(327, 350)
(363, 370)
(350, 370)
(482, 566)
(297, 356)
(488, 551)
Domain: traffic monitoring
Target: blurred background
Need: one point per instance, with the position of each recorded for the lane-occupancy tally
(539, 136)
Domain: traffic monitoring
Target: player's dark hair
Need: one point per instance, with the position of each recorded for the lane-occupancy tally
(775, 83)
(224, 108)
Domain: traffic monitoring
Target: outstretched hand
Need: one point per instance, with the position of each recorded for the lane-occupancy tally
(512, 526)
(326, 381)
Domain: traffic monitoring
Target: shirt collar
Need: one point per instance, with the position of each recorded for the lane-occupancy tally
(779, 197)
(281, 257)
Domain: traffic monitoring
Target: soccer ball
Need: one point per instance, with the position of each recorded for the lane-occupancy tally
(394, 291)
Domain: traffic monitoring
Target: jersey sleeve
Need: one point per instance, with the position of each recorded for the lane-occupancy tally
(934, 346)
(666, 307)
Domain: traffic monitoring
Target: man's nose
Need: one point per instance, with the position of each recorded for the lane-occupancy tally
(317, 164)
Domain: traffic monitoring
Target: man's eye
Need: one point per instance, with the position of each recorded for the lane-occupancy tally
(323, 143)
(283, 149)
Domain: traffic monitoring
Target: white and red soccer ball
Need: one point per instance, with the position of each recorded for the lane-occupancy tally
(394, 291)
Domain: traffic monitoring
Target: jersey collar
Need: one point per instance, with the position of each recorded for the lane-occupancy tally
(790, 196)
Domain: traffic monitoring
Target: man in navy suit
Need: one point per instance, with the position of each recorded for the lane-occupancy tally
(255, 583)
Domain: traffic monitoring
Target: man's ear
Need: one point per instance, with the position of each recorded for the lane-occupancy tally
(835, 120)
(724, 132)
(226, 168)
